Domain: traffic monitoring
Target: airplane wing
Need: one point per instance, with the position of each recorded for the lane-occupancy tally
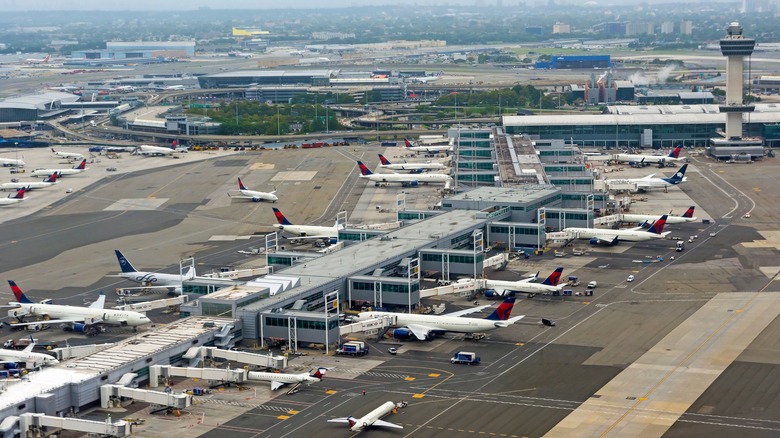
(509, 321)
(469, 310)
(420, 331)
(610, 240)
(381, 423)
(58, 321)
(276, 385)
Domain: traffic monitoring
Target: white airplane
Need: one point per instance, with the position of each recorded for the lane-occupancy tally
(307, 231)
(80, 319)
(642, 218)
(27, 357)
(48, 182)
(633, 159)
(37, 60)
(406, 180)
(431, 149)
(146, 149)
(10, 162)
(426, 327)
(372, 418)
(237, 54)
(151, 278)
(60, 172)
(498, 288)
(413, 167)
(174, 88)
(650, 181)
(611, 237)
(280, 379)
(255, 196)
(13, 199)
(68, 155)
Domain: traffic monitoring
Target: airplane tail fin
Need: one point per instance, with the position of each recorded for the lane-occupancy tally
(82, 165)
(190, 274)
(53, 151)
(554, 278)
(280, 217)
(46, 59)
(384, 160)
(241, 185)
(352, 421)
(503, 311)
(100, 302)
(319, 372)
(364, 170)
(18, 294)
(408, 143)
(675, 153)
(19, 194)
(52, 178)
(678, 176)
(123, 262)
(658, 226)
(689, 212)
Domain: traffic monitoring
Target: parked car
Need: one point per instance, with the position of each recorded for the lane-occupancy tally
(392, 350)
(630, 278)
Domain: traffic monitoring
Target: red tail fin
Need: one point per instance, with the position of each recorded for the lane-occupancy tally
(82, 166)
(363, 169)
(19, 194)
(676, 152)
(408, 143)
(658, 226)
(689, 212)
(384, 160)
(241, 185)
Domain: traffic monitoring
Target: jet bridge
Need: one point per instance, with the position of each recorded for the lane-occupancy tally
(464, 287)
(213, 374)
(368, 326)
(77, 351)
(34, 424)
(196, 354)
(156, 304)
(110, 396)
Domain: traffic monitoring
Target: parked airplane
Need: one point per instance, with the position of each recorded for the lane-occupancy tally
(237, 54)
(280, 379)
(412, 167)
(498, 288)
(146, 149)
(174, 88)
(68, 155)
(13, 199)
(426, 327)
(60, 172)
(372, 418)
(405, 179)
(37, 60)
(48, 182)
(632, 159)
(80, 319)
(650, 181)
(431, 149)
(27, 357)
(146, 278)
(612, 237)
(307, 231)
(642, 218)
(10, 162)
(255, 196)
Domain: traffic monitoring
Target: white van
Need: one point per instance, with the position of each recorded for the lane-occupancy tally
(592, 285)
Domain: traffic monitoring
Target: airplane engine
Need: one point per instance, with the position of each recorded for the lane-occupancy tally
(11, 366)
(402, 333)
(17, 313)
(594, 241)
(256, 199)
(80, 328)
(333, 241)
(490, 293)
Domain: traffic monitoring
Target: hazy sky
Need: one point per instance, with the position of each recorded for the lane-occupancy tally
(137, 5)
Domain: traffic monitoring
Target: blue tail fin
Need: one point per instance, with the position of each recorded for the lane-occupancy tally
(123, 262)
(678, 176)
(554, 278)
(503, 311)
(280, 217)
(658, 226)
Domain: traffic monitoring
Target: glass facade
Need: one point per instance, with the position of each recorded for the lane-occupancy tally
(300, 323)
(466, 259)
(217, 309)
(385, 287)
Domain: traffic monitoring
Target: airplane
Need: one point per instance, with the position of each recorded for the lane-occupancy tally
(498, 288)
(124, 89)
(80, 319)
(280, 379)
(151, 278)
(10, 162)
(68, 155)
(406, 180)
(307, 231)
(13, 199)
(255, 196)
(37, 60)
(674, 155)
(48, 182)
(650, 181)
(174, 88)
(431, 149)
(237, 54)
(424, 79)
(60, 172)
(27, 356)
(146, 149)
(426, 327)
(413, 167)
(642, 218)
(372, 418)
(612, 237)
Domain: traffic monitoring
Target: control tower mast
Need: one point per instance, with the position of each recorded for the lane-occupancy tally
(735, 48)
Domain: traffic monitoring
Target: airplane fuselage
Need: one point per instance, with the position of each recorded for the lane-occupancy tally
(27, 186)
(60, 172)
(413, 166)
(58, 311)
(153, 278)
(282, 377)
(639, 218)
(442, 323)
(11, 162)
(260, 196)
(27, 357)
(609, 235)
(522, 286)
(439, 178)
(370, 418)
(647, 159)
(309, 231)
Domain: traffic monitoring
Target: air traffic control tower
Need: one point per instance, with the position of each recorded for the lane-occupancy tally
(735, 47)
